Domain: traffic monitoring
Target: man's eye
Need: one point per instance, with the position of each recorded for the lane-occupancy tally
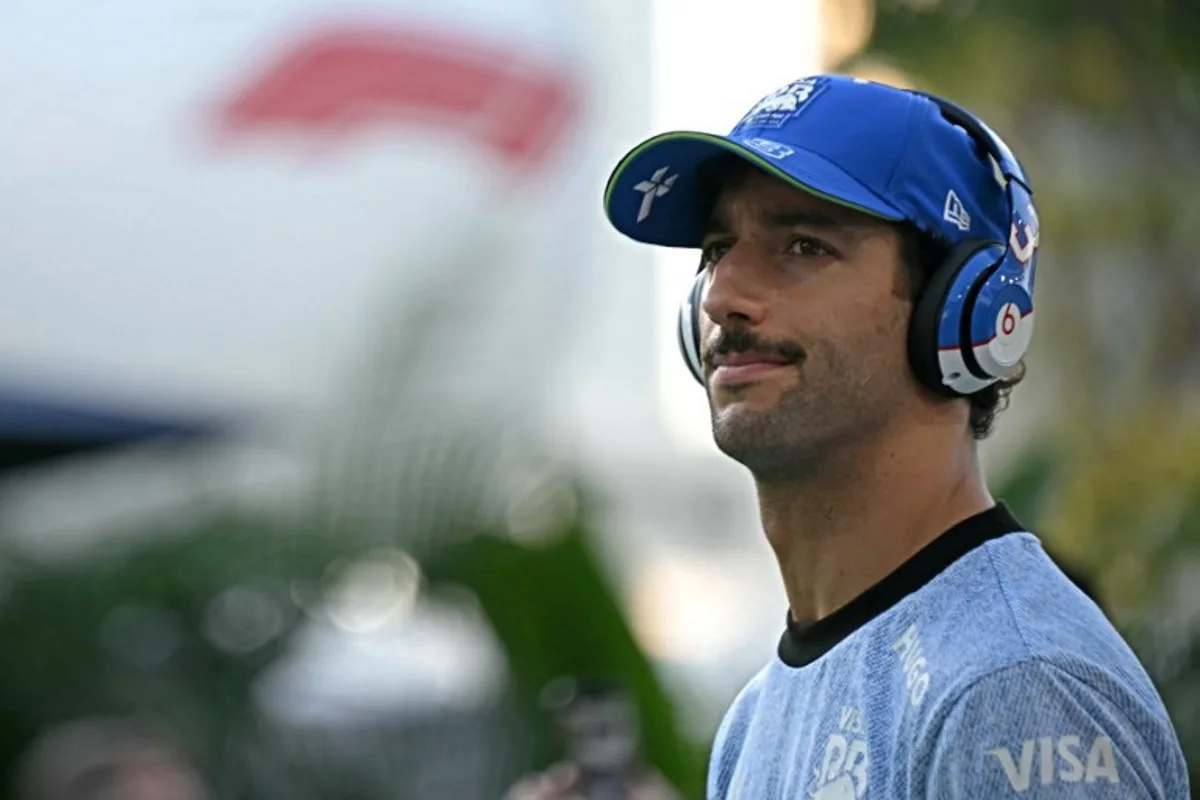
(712, 253)
(811, 248)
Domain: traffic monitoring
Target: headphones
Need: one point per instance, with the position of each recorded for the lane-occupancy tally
(972, 322)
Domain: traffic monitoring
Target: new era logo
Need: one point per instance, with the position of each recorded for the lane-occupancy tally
(956, 213)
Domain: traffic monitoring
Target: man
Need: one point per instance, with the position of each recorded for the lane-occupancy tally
(863, 304)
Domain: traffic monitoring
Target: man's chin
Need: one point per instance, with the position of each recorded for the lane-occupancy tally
(750, 401)
(772, 443)
(766, 460)
(739, 430)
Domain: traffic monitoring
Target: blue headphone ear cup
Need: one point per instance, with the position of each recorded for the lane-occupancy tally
(927, 318)
(689, 328)
(1001, 321)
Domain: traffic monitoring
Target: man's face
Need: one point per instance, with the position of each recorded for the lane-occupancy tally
(805, 324)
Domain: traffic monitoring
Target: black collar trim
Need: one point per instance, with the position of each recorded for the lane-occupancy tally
(801, 645)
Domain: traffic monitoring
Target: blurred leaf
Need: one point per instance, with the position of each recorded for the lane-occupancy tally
(556, 614)
(1022, 489)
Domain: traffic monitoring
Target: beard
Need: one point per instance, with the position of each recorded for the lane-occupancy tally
(829, 406)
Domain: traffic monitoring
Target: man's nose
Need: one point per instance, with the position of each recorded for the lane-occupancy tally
(736, 295)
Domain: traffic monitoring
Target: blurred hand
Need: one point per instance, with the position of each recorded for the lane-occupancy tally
(561, 782)
(557, 783)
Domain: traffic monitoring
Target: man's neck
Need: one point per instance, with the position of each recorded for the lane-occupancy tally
(868, 512)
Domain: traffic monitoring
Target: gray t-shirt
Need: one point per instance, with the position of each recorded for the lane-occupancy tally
(977, 670)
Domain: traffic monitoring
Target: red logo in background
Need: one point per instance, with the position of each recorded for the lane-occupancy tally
(337, 82)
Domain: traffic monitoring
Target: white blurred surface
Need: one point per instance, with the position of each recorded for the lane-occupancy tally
(145, 260)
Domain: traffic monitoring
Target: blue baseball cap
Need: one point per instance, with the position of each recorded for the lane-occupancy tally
(887, 152)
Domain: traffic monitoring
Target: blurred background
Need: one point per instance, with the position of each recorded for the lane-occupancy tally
(336, 425)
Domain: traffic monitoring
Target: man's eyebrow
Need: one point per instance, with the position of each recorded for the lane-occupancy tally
(808, 218)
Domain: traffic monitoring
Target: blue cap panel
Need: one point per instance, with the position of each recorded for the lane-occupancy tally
(882, 150)
(945, 186)
(860, 126)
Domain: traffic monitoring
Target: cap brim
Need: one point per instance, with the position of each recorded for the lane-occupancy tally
(655, 195)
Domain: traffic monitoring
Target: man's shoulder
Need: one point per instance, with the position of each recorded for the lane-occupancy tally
(1050, 723)
(1006, 604)
(997, 625)
(1029, 677)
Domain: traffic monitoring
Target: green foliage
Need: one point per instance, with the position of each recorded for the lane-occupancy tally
(123, 631)
(129, 629)
(1098, 57)
(556, 614)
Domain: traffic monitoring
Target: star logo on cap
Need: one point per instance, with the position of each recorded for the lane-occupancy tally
(657, 186)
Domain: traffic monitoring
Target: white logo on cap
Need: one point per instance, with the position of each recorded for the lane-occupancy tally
(657, 186)
(956, 212)
(770, 148)
(782, 104)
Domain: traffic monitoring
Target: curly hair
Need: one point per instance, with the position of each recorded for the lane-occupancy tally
(921, 254)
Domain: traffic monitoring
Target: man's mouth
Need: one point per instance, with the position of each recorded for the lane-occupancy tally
(738, 368)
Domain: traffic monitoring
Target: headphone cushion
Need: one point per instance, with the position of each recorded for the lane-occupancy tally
(927, 317)
(689, 328)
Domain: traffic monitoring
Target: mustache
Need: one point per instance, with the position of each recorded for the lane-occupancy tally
(744, 341)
